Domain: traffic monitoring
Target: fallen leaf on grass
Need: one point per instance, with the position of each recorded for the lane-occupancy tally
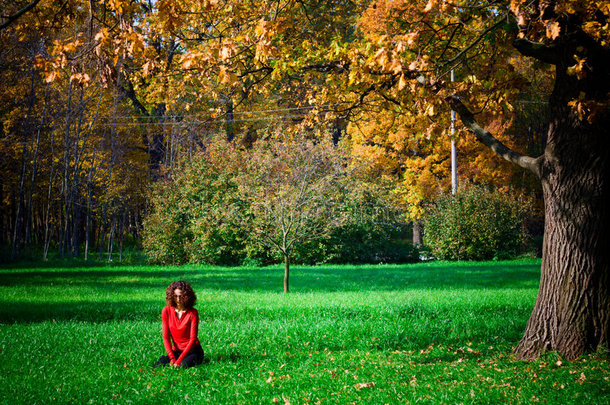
(365, 385)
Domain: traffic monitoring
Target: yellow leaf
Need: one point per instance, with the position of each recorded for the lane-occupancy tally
(411, 37)
(402, 83)
(261, 28)
(430, 110)
(431, 4)
(51, 77)
(553, 30)
(226, 53)
(579, 69)
(514, 6)
(148, 67)
(382, 57)
(103, 33)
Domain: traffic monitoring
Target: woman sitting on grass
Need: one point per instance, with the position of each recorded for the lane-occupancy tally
(180, 323)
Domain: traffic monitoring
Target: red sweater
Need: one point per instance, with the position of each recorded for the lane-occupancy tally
(182, 332)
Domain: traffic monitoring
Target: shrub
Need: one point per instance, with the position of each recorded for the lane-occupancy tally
(475, 224)
(210, 210)
(374, 231)
(196, 216)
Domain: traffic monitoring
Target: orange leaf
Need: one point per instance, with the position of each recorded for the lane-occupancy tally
(431, 4)
(402, 83)
(51, 77)
(553, 30)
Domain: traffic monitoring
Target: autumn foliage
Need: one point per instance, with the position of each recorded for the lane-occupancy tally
(101, 99)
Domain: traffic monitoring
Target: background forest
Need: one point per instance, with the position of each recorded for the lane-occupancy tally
(158, 126)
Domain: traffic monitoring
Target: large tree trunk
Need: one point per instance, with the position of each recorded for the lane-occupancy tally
(571, 314)
(572, 311)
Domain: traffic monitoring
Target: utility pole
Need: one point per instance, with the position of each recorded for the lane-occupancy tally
(453, 151)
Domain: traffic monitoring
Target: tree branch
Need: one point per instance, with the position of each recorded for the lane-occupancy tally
(540, 51)
(130, 93)
(339, 67)
(474, 43)
(11, 18)
(486, 138)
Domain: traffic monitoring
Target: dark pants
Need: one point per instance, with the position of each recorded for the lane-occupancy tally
(194, 357)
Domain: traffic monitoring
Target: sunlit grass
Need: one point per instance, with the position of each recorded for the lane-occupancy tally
(431, 332)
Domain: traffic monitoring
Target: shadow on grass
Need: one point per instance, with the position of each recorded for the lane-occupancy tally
(504, 275)
(95, 293)
(82, 311)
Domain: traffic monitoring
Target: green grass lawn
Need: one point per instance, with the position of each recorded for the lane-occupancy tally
(424, 333)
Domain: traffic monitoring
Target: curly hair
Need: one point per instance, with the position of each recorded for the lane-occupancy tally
(187, 292)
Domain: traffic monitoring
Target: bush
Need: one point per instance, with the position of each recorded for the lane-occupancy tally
(475, 224)
(202, 214)
(196, 216)
(373, 231)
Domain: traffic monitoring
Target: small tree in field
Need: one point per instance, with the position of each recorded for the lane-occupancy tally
(293, 188)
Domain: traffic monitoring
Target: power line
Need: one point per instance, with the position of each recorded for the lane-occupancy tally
(234, 113)
(187, 123)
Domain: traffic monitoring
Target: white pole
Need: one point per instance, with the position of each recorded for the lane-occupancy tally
(453, 151)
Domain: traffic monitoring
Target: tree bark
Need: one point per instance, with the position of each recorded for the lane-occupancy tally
(47, 237)
(230, 127)
(418, 240)
(571, 314)
(286, 273)
(88, 220)
(572, 310)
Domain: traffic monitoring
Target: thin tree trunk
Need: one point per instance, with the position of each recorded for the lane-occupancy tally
(88, 221)
(64, 246)
(286, 273)
(18, 215)
(47, 239)
(102, 232)
(111, 238)
(230, 125)
(418, 228)
(75, 195)
(19, 220)
(121, 235)
(110, 167)
(34, 168)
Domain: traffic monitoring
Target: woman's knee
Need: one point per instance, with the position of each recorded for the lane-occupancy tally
(163, 360)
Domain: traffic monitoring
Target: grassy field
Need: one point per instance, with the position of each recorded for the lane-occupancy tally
(423, 333)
